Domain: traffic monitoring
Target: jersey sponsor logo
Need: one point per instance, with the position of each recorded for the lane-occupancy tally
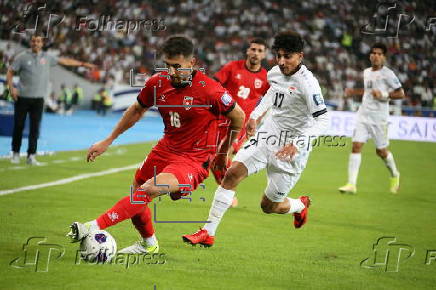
(291, 88)
(190, 176)
(238, 76)
(318, 99)
(281, 193)
(226, 99)
(162, 98)
(187, 101)
(257, 83)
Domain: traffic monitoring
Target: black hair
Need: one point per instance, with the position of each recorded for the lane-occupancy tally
(290, 41)
(38, 33)
(380, 45)
(178, 45)
(260, 41)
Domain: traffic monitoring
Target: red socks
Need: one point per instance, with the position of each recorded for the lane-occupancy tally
(125, 208)
(143, 222)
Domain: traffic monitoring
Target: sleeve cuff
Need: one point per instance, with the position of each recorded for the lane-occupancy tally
(319, 113)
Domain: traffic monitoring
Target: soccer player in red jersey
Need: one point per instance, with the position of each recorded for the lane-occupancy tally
(246, 81)
(189, 103)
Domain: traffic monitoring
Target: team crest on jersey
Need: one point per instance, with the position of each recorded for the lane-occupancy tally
(187, 101)
(257, 84)
(42, 61)
(226, 99)
(238, 76)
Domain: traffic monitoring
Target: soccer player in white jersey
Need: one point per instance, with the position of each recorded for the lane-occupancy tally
(380, 86)
(281, 144)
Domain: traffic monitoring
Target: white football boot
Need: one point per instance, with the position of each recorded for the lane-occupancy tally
(348, 188)
(140, 247)
(79, 231)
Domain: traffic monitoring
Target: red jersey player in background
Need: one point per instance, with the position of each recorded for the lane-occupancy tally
(190, 104)
(246, 81)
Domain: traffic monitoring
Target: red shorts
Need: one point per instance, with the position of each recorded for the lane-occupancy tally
(189, 173)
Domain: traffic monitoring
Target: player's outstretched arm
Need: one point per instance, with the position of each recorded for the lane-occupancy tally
(237, 117)
(259, 112)
(72, 62)
(132, 115)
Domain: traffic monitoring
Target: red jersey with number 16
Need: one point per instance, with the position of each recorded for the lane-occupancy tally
(189, 113)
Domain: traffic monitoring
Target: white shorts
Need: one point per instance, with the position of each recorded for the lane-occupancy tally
(282, 176)
(376, 131)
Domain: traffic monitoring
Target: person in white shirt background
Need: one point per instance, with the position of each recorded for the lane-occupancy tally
(380, 85)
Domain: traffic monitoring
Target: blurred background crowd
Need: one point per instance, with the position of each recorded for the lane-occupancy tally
(336, 49)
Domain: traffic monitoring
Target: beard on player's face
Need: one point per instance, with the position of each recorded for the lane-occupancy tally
(179, 62)
(254, 60)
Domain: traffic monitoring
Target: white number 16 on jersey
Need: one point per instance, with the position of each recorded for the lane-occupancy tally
(175, 119)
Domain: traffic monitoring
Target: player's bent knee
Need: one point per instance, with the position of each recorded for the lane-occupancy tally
(383, 153)
(357, 147)
(266, 208)
(267, 205)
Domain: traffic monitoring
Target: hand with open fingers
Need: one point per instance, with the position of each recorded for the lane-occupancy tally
(287, 152)
(97, 149)
(251, 127)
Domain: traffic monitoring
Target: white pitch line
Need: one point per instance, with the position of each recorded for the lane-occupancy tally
(67, 180)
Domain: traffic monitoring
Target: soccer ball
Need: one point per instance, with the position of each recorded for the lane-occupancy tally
(98, 247)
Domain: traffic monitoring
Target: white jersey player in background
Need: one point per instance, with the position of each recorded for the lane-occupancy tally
(380, 86)
(281, 144)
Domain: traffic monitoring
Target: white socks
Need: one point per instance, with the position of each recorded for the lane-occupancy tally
(390, 164)
(221, 202)
(151, 241)
(296, 205)
(353, 167)
(354, 164)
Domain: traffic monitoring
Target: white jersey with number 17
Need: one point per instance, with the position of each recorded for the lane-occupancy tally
(294, 101)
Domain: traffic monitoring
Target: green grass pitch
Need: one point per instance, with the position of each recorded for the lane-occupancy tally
(253, 250)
